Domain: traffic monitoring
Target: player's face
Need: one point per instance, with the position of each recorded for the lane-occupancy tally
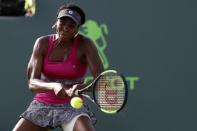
(66, 28)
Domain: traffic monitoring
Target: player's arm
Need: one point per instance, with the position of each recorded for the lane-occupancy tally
(35, 68)
(92, 58)
(93, 61)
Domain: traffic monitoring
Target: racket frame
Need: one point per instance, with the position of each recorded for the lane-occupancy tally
(92, 84)
(125, 99)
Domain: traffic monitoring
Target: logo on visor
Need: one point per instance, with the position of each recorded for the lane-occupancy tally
(70, 12)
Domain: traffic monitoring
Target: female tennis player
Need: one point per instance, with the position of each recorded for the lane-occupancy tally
(56, 69)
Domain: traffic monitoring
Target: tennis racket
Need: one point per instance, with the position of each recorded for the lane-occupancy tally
(109, 91)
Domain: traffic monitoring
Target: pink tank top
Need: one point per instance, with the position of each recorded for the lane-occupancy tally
(69, 72)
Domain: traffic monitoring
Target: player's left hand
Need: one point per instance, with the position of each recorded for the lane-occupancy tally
(71, 91)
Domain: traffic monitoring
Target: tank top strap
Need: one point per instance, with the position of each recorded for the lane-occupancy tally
(74, 47)
(51, 43)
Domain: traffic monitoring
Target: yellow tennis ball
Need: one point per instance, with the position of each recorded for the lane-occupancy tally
(76, 102)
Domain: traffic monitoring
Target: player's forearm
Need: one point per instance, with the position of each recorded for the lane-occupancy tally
(36, 85)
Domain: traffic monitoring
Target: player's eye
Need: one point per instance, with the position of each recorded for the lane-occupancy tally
(71, 25)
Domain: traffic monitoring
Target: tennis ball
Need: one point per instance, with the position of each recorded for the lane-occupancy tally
(76, 102)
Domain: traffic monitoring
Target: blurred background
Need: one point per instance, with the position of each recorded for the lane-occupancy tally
(152, 42)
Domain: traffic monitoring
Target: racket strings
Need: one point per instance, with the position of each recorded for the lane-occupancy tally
(110, 92)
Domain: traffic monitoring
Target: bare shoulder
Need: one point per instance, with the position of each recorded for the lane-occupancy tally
(41, 44)
(86, 43)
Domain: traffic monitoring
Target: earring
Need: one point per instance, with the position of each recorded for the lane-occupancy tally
(76, 34)
(53, 26)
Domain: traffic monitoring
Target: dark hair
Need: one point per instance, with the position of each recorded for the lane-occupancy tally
(76, 8)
